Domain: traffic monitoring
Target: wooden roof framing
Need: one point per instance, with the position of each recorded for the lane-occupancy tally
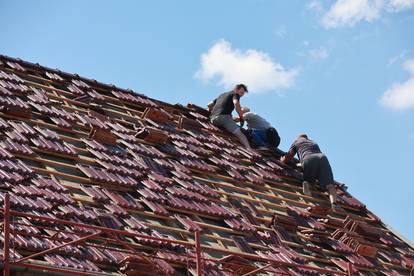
(200, 190)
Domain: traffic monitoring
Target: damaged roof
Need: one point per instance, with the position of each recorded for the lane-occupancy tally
(76, 150)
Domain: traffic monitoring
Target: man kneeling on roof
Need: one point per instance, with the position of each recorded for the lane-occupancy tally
(315, 166)
(260, 131)
(221, 109)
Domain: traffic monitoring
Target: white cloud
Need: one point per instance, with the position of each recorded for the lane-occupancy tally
(401, 95)
(313, 53)
(318, 53)
(350, 12)
(399, 5)
(315, 5)
(409, 66)
(257, 69)
(398, 57)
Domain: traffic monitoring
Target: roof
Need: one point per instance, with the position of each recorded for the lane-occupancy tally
(138, 177)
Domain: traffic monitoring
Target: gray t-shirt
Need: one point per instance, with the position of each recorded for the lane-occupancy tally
(255, 121)
(304, 147)
(224, 105)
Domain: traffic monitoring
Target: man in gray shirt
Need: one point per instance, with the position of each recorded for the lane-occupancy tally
(221, 109)
(260, 131)
(315, 166)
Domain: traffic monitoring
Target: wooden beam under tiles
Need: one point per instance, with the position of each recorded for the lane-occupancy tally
(79, 157)
(46, 264)
(79, 179)
(38, 122)
(295, 203)
(270, 197)
(67, 93)
(88, 200)
(228, 180)
(66, 138)
(81, 104)
(268, 185)
(42, 123)
(199, 222)
(273, 206)
(48, 161)
(216, 237)
(113, 112)
(283, 182)
(223, 250)
(252, 256)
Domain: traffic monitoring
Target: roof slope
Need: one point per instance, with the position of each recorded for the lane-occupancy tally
(77, 150)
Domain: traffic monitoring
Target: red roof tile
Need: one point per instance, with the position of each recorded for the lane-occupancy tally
(96, 155)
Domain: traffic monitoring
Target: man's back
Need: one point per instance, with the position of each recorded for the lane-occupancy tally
(255, 121)
(224, 105)
(304, 147)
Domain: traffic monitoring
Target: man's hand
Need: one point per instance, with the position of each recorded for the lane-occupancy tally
(285, 159)
(241, 120)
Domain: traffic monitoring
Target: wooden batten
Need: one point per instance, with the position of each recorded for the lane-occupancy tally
(140, 138)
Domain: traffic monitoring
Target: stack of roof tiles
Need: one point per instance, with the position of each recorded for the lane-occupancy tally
(75, 149)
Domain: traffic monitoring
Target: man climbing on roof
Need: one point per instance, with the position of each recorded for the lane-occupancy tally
(221, 109)
(315, 166)
(260, 131)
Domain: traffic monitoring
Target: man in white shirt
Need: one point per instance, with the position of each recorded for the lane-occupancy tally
(262, 132)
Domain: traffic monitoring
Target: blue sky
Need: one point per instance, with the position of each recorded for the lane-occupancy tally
(341, 71)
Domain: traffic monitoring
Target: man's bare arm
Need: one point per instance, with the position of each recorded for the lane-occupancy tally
(238, 108)
(289, 156)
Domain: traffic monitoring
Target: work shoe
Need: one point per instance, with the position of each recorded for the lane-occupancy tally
(306, 188)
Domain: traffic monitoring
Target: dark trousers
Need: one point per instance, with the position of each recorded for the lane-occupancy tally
(262, 137)
(316, 167)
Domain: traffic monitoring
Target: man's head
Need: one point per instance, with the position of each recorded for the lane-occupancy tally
(240, 89)
(245, 109)
(303, 135)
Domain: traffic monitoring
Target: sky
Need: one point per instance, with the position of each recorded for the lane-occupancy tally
(341, 71)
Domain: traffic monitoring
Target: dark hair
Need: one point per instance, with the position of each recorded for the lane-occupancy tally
(303, 135)
(241, 85)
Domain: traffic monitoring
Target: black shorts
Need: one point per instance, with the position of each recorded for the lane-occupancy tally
(316, 167)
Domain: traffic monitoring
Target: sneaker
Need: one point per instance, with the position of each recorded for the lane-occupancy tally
(306, 188)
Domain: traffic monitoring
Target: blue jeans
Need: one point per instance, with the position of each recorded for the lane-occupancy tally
(259, 137)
